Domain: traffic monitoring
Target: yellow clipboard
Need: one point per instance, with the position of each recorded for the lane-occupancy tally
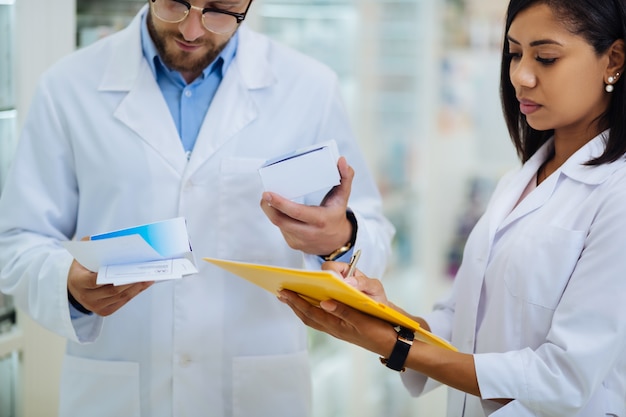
(316, 286)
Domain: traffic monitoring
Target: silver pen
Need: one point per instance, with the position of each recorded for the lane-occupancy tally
(352, 264)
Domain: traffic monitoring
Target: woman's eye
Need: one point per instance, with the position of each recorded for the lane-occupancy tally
(545, 61)
(513, 55)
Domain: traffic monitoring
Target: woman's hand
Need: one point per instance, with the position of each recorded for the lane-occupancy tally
(344, 322)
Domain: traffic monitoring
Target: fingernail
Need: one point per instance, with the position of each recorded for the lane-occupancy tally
(350, 281)
(328, 305)
(268, 199)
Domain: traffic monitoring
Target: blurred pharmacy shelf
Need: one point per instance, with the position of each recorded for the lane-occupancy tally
(11, 341)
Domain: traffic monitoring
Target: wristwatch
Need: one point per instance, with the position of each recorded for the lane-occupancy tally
(400, 350)
(345, 248)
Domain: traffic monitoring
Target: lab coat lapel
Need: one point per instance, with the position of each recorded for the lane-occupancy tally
(233, 107)
(532, 201)
(231, 110)
(506, 211)
(143, 109)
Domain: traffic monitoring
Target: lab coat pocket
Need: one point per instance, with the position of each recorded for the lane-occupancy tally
(84, 380)
(277, 386)
(541, 264)
(245, 232)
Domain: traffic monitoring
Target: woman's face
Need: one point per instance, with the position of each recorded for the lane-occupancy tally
(558, 77)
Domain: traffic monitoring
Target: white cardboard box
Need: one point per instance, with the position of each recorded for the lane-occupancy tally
(303, 171)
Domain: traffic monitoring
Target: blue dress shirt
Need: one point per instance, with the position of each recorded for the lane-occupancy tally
(188, 103)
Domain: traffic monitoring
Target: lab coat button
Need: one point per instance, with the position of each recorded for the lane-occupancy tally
(184, 360)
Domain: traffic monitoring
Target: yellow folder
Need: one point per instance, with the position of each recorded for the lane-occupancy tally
(316, 286)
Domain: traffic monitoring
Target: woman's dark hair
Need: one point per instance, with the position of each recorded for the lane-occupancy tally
(600, 22)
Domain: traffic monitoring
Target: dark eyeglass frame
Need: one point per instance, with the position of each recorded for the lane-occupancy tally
(238, 16)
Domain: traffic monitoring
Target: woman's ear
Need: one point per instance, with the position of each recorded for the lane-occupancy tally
(617, 58)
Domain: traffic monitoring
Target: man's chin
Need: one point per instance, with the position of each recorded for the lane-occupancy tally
(190, 61)
(185, 63)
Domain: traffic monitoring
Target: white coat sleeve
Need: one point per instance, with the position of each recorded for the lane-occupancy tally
(440, 323)
(38, 209)
(374, 230)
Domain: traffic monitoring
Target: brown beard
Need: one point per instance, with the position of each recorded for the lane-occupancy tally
(178, 60)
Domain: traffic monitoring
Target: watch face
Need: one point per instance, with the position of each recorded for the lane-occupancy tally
(405, 333)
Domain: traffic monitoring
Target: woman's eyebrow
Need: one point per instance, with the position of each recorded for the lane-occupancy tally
(537, 42)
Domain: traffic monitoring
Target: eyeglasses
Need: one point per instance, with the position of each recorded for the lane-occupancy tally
(214, 20)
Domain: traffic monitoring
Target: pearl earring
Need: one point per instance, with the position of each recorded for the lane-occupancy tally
(612, 79)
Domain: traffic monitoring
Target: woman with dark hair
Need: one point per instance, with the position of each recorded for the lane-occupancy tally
(537, 310)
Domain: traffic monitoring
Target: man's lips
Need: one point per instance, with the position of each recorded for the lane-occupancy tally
(187, 47)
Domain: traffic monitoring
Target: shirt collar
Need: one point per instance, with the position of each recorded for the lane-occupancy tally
(575, 167)
(152, 56)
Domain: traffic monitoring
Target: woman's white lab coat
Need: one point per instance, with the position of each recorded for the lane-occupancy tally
(540, 298)
(99, 152)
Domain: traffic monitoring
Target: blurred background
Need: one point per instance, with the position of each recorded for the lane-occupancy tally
(420, 80)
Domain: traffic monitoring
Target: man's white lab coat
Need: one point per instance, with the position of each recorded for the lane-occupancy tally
(99, 152)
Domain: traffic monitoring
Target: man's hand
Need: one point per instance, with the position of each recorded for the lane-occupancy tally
(100, 299)
(319, 229)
